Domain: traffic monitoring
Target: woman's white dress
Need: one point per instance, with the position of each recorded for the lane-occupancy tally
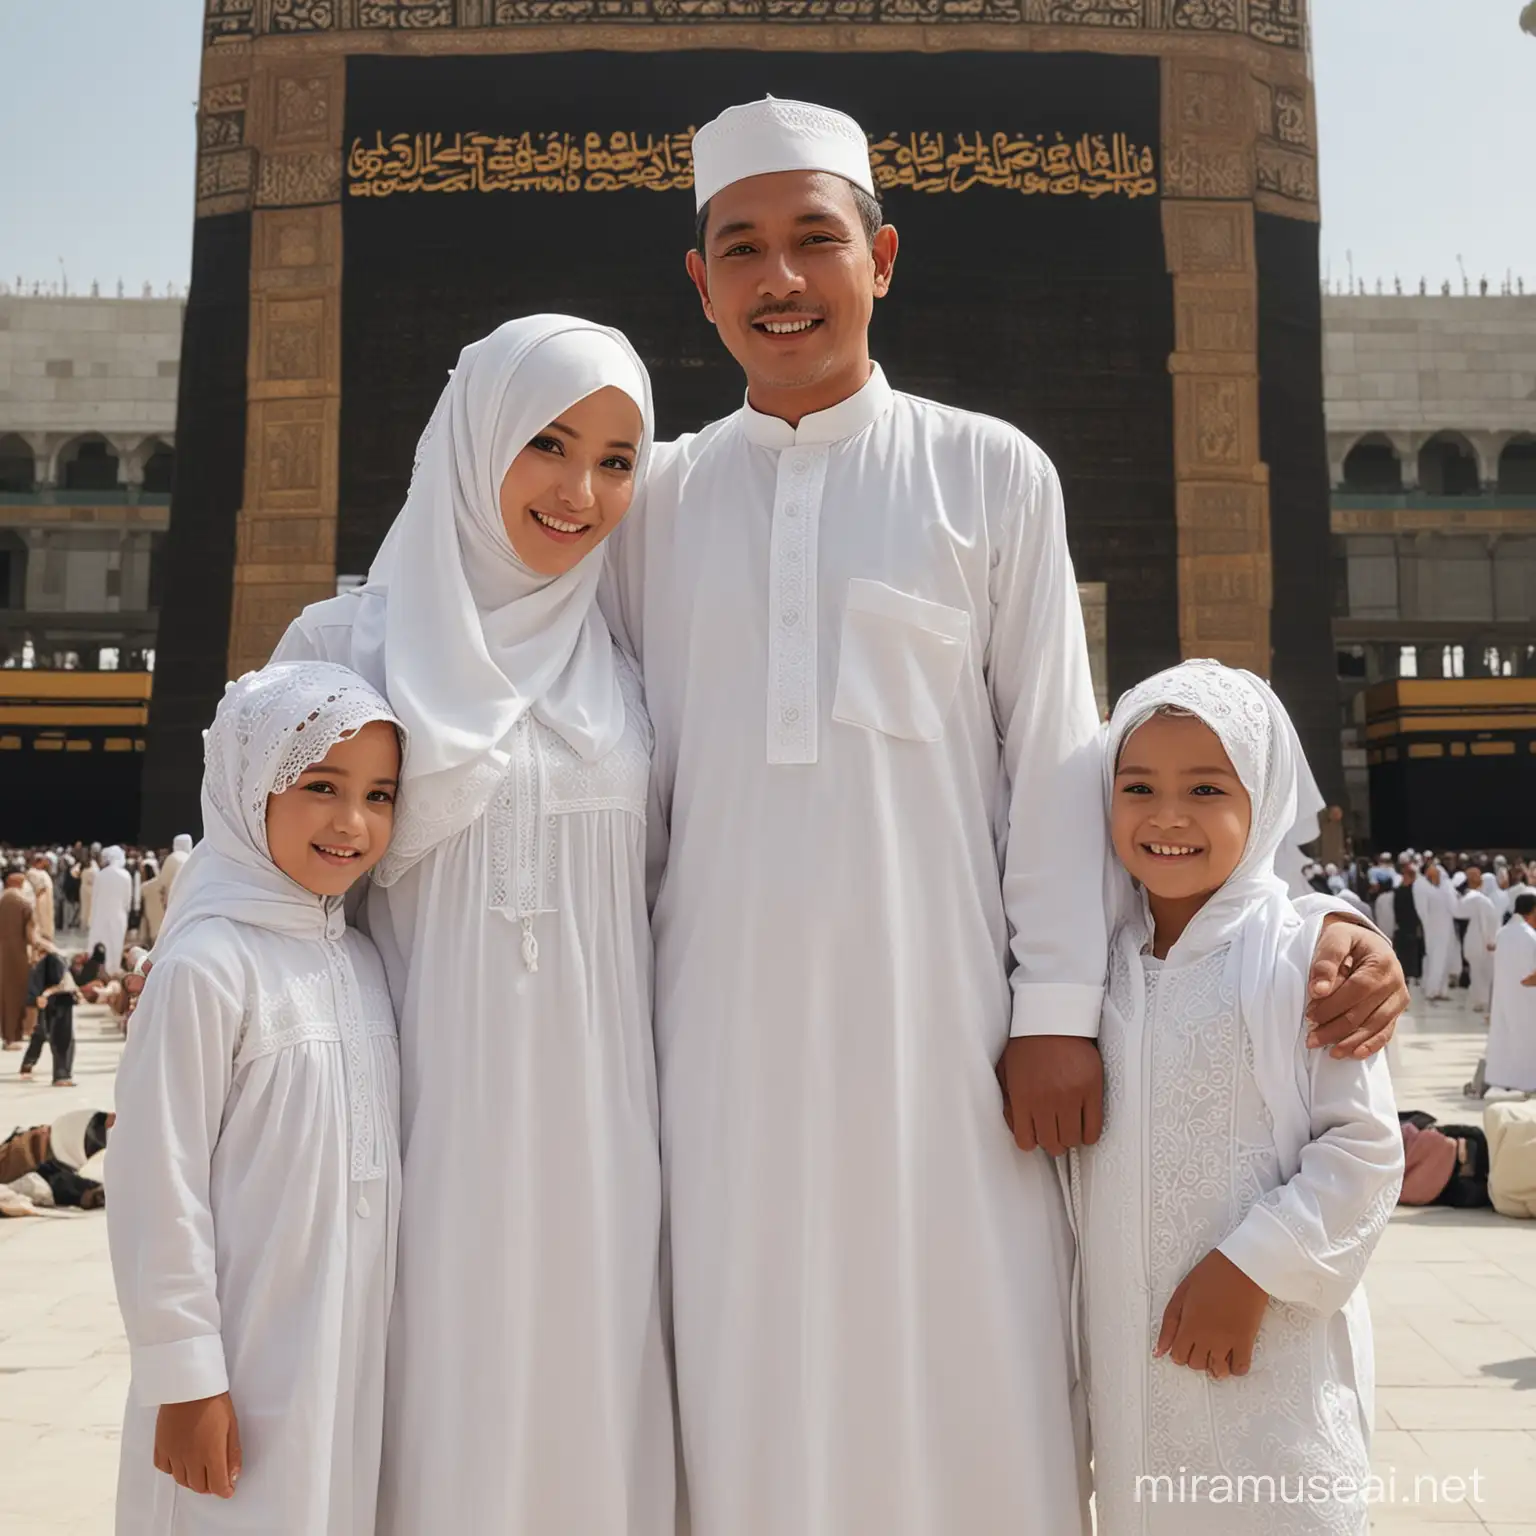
(529, 1391)
(1188, 1152)
(253, 1202)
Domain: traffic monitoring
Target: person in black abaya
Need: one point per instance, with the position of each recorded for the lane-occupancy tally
(1408, 940)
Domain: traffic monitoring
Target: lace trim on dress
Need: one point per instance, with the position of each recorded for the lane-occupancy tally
(324, 1007)
(546, 779)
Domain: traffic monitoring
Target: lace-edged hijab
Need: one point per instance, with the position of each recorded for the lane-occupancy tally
(270, 726)
(468, 640)
(1251, 914)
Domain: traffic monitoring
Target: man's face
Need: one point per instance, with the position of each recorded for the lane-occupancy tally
(790, 279)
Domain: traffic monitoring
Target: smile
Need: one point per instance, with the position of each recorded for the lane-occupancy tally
(786, 327)
(1170, 850)
(337, 855)
(557, 527)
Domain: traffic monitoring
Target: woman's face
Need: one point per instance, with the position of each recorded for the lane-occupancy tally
(571, 486)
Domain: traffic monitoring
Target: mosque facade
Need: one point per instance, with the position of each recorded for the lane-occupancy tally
(1109, 231)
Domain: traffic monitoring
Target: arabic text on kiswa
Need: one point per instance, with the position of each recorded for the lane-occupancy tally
(1090, 165)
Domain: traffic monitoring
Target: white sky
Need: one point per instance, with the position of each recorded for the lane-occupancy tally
(1427, 114)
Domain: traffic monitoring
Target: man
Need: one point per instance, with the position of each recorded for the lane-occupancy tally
(40, 878)
(1482, 919)
(876, 759)
(110, 906)
(1512, 1027)
(17, 926)
(88, 886)
(1497, 890)
(54, 1002)
(181, 851)
(1434, 898)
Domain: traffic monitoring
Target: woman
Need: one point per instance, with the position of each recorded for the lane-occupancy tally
(528, 1383)
(151, 902)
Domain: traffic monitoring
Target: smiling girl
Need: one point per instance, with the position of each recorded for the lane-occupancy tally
(255, 1158)
(1242, 1180)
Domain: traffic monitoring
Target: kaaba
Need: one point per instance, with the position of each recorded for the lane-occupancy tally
(1109, 237)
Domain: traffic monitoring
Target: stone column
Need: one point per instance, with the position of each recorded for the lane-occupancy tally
(286, 534)
(1209, 138)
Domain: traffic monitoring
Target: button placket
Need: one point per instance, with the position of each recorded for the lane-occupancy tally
(793, 710)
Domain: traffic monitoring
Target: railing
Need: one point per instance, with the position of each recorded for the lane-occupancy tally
(1394, 501)
(118, 496)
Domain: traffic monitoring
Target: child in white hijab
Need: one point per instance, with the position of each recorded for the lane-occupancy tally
(255, 1157)
(1242, 1180)
(529, 1387)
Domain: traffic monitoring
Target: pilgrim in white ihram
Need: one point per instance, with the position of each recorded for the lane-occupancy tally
(1512, 1024)
(1435, 899)
(255, 1158)
(181, 851)
(1208, 1039)
(1482, 915)
(877, 753)
(111, 902)
(528, 1382)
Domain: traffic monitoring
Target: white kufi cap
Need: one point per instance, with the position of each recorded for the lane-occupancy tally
(771, 135)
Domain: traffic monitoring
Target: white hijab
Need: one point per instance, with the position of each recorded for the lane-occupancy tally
(1252, 911)
(466, 637)
(269, 727)
(182, 843)
(113, 857)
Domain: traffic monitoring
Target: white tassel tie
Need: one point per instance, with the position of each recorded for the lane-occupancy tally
(530, 946)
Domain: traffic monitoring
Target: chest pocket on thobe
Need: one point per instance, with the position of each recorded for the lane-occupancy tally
(900, 661)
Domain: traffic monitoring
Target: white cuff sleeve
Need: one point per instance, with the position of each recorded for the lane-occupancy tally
(1056, 1008)
(184, 1372)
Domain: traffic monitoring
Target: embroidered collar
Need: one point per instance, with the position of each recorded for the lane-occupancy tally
(833, 425)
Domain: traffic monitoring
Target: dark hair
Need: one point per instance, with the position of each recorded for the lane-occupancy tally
(1525, 903)
(871, 216)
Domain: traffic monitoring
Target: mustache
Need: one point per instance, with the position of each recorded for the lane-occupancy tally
(781, 311)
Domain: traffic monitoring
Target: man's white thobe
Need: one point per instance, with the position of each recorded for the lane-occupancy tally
(876, 750)
(1436, 906)
(1512, 1025)
(1477, 945)
(111, 901)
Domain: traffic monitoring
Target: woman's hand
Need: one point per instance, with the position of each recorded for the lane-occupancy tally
(198, 1444)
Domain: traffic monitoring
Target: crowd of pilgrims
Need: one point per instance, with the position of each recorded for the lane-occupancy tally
(70, 920)
(714, 1035)
(1443, 912)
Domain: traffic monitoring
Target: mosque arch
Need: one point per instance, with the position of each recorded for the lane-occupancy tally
(1517, 466)
(159, 460)
(13, 569)
(1373, 465)
(1448, 466)
(88, 463)
(18, 464)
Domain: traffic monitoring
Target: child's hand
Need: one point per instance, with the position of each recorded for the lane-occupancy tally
(1213, 1319)
(199, 1444)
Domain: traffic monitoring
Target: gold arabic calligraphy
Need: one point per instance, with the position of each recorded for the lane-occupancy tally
(1092, 165)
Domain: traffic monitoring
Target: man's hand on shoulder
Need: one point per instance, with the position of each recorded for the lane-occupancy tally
(1053, 1092)
(1357, 989)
